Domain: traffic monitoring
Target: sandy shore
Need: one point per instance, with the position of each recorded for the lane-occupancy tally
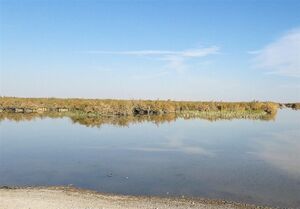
(72, 198)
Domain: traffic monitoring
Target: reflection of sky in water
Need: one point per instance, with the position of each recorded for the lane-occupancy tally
(281, 150)
(252, 161)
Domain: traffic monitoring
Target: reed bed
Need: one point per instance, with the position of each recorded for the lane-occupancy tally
(109, 107)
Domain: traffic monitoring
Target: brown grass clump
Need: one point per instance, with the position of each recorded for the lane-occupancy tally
(295, 106)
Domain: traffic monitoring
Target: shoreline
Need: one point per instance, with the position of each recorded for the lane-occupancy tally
(66, 197)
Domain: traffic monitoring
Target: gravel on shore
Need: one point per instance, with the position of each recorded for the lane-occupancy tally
(73, 198)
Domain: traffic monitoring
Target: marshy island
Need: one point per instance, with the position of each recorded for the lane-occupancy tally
(111, 107)
(96, 112)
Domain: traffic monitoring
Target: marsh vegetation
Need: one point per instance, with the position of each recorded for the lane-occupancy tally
(110, 107)
(95, 112)
(295, 106)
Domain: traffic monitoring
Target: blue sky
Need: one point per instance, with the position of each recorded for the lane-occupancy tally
(148, 49)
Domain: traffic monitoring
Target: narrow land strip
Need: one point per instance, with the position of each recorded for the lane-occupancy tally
(110, 107)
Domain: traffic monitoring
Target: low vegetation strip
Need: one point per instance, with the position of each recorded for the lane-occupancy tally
(295, 106)
(108, 107)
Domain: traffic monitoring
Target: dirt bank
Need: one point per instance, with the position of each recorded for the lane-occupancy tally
(72, 198)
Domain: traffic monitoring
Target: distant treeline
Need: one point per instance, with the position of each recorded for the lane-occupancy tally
(109, 107)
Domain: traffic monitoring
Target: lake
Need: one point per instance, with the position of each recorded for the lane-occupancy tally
(252, 161)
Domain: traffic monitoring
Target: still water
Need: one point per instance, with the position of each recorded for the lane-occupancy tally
(250, 161)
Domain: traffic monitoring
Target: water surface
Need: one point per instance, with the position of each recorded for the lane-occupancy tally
(251, 161)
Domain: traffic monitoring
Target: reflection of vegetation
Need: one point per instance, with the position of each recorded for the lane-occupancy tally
(228, 115)
(122, 120)
(96, 107)
(96, 121)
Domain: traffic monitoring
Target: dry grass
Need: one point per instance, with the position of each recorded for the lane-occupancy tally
(96, 112)
(128, 107)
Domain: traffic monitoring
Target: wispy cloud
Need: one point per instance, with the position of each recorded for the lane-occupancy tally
(149, 76)
(185, 53)
(175, 59)
(282, 56)
(177, 63)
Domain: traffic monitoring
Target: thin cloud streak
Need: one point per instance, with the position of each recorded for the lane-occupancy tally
(151, 76)
(176, 60)
(282, 57)
(185, 53)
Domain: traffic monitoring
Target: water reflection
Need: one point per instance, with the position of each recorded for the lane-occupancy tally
(281, 150)
(90, 121)
(242, 160)
(175, 143)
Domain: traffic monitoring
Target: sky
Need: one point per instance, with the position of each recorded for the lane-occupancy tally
(221, 50)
